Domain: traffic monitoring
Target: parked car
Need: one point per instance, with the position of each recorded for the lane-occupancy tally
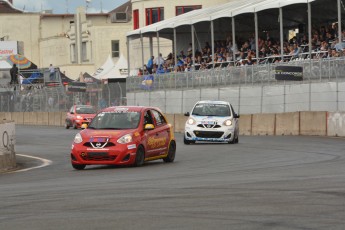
(124, 135)
(212, 121)
(79, 115)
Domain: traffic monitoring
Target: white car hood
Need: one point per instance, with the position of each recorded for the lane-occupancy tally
(210, 119)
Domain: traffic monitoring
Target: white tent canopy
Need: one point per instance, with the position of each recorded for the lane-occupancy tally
(104, 69)
(111, 70)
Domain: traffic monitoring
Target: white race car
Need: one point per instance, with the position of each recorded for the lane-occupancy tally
(212, 121)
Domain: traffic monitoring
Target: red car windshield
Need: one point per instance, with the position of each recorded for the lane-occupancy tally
(85, 110)
(115, 120)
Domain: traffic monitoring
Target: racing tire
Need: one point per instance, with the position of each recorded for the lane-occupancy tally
(171, 153)
(66, 125)
(233, 141)
(139, 157)
(75, 126)
(187, 142)
(78, 167)
(236, 140)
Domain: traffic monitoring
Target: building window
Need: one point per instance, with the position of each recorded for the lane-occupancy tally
(154, 15)
(135, 19)
(84, 51)
(73, 53)
(115, 48)
(185, 9)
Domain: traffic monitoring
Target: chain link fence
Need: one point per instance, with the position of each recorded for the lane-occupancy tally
(175, 92)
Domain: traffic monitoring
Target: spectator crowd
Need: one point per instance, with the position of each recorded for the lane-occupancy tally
(325, 44)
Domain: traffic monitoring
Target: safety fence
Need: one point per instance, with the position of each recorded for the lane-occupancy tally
(327, 69)
(252, 89)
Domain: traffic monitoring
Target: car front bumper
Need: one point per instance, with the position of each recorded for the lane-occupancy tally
(121, 154)
(223, 134)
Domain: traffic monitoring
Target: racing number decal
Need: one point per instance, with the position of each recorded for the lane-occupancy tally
(5, 139)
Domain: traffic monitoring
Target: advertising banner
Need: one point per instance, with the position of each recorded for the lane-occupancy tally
(289, 73)
(76, 87)
(8, 48)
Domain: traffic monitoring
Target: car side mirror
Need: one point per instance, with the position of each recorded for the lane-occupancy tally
(187, 114)
(71, 112)
(149, 127)
(236, 116)
(83, 126)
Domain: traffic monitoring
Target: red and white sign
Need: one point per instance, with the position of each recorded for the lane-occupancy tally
(8, 48)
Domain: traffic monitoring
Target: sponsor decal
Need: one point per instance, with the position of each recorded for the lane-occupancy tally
(98, 139)
(133, 146)
(156, 142)
(205, 122)
(289, 73)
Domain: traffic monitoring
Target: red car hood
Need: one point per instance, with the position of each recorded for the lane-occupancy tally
(111, 134)
(87, 115)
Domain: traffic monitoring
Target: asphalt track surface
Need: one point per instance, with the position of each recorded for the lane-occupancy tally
(283, 182)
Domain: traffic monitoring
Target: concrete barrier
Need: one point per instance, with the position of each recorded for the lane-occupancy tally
(287, 123)
(294, 123)
(54, 119)
(180, 121)
(5, 116)
(7, 143)
(30, 118)
(18, 117)
(42, 118)
(313, 123)
(336, 124)
(245, 125)
(171, 119)
(263, 124)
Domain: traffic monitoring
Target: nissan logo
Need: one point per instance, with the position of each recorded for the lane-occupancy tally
(98, 144)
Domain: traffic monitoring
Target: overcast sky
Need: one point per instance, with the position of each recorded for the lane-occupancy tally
(61, 6)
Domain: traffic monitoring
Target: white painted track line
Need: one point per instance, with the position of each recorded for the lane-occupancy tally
(45, 163)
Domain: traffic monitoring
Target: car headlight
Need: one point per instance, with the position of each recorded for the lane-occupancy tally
(227, 123)
(78, 139)
(191, 121)
(79, 117)
(125, 139)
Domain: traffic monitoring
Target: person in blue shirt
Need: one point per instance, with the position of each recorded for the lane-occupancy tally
(149, 65)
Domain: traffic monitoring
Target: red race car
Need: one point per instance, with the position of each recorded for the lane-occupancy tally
(124, 135)
(78, 115)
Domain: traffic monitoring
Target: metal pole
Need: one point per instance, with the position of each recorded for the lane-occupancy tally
(151, 46)
(262, 98)
(309, 37)
(339, 22)
(193, 45)
(256, 35)
(175, 54)
(128, 59)
(281, 33)
(142, 51)
(158, 48)
(212, 41)
(309, 30)
(120, 92)
(233, 39)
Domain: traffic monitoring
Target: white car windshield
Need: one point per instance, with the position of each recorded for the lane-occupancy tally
(115, 120)
(208, 109)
